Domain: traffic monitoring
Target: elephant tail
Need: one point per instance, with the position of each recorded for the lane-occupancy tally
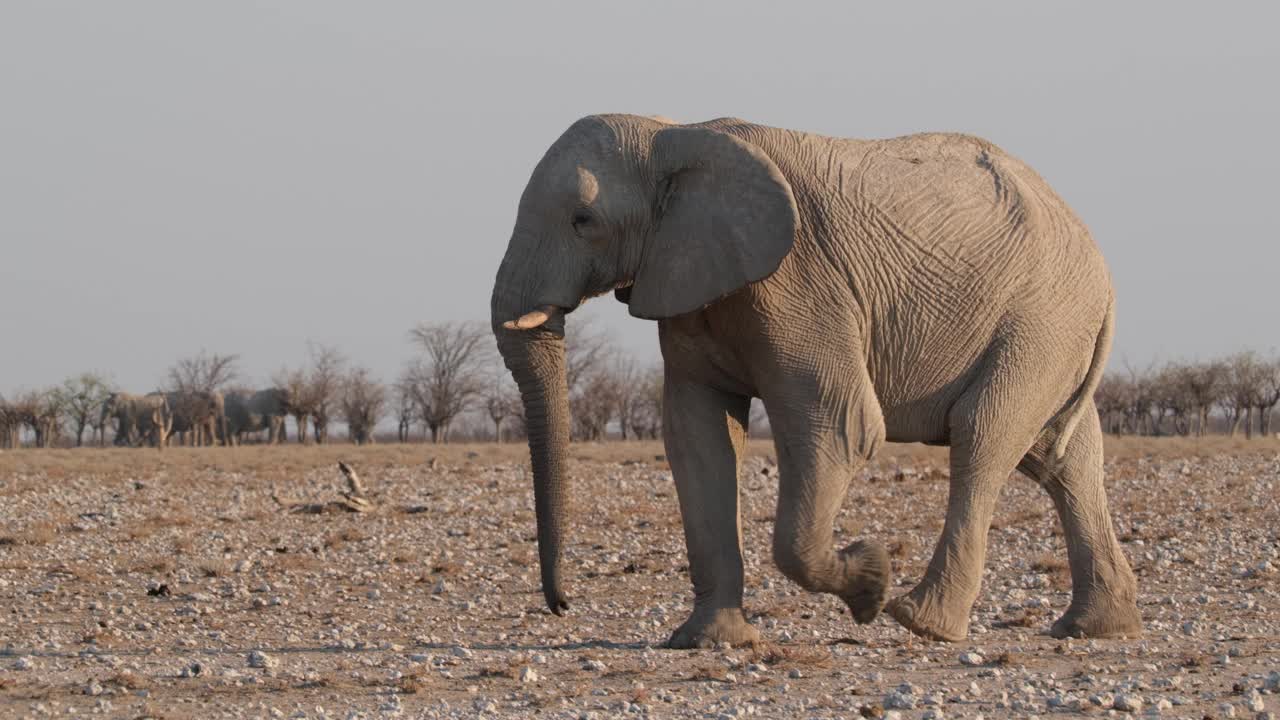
(1092, 377)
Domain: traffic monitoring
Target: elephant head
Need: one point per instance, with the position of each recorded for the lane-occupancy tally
(671, 217)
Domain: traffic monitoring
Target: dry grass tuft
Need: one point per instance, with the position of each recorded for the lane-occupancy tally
(1006, 658)
(446, 568)
(335, 541)
(127, 680)
(1025, 620)
(640, 695)
(157, 564)
(1056, 568)
(790, 657)
(41, 533)
(710, 673)
(412, 683)
(215, 568)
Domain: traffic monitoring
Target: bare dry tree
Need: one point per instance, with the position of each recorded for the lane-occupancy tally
(405, 412)
(1203, 383)
(82, 397)
(204, 372)
(1169, 399)
(41, 411)
(293, 385)
(593, 404)
(586, 350)
(324, 383)
(312, 393)
(501, 402)
(10, 425)
(640, 406)
(194, 392)
(1245, 378)
(448, 375)
(363, 401)
(626, 378)
(1268, 394)
(1112, 402)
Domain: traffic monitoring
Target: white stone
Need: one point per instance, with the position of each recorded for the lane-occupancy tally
(1127, 703)
(898, 700)
(972, 659)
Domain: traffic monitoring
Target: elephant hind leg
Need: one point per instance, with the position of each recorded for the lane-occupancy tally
(993, 424)
(1103, 589)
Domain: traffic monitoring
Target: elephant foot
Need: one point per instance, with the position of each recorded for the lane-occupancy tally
(706, 630)
(867, 579)
(1102, 617)
(924, 614)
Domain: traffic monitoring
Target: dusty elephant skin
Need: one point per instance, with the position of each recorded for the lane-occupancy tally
(928, 288)
(137, 418)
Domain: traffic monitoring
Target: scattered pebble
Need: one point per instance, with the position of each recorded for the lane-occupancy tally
(261, 660)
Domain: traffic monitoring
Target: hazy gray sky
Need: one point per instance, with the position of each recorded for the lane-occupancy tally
(248, 176)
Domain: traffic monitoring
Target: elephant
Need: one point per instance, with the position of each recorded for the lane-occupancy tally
(252, 412)
(199, 417)
(929, 288)
(138, 418)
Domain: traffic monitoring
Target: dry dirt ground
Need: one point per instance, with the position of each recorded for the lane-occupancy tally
(143, 584)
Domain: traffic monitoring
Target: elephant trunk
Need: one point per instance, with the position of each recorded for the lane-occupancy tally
(536, 359)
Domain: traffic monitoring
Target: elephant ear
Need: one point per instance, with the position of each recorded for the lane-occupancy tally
(725, 217)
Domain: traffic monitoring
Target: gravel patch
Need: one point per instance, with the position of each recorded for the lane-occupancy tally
(187, 592)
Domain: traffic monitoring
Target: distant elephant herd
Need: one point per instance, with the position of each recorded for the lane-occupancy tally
(195, 418)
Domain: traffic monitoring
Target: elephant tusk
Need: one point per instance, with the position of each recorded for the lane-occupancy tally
(531, 320)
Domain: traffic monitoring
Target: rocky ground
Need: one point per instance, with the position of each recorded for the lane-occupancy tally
(201, 584)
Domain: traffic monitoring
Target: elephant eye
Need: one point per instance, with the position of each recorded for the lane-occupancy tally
(581, 219)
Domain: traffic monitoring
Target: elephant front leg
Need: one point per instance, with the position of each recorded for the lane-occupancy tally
(704, 430)
(823, 435)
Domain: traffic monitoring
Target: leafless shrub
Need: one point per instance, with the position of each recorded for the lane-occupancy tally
(40, 411)
(447, 376)
(363, 401)
(312, 393)
(1179, 398)
(502, 402)
(204, 372)
(81, 399)
(593, 403)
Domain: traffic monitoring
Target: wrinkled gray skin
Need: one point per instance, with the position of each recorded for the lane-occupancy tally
(137, 419)
(929, 288)
(253, 412)
(199, 418)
